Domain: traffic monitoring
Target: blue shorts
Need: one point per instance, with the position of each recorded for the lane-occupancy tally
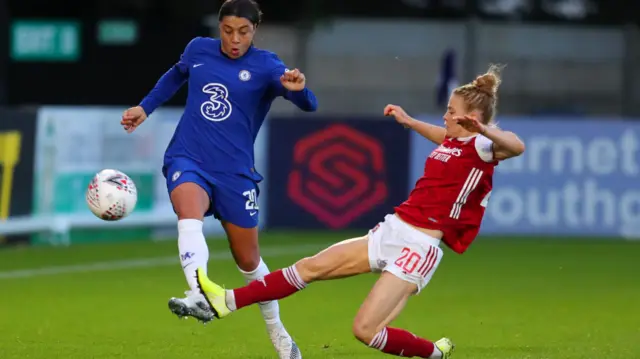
(234, 197)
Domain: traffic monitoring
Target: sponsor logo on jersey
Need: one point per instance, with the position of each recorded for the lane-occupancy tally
(217, 108)
(443, 154)
(452, 151)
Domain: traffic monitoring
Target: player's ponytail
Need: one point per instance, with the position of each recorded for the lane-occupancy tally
(482, 93)
(247, 9)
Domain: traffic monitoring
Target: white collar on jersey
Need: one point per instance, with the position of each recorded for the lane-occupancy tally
(465, 139)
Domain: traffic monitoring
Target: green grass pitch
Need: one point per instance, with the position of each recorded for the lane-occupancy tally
(505, 299)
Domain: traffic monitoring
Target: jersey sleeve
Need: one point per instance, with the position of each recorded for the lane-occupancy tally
(170, 82)
(304, 100)
(484, 147)
(186, 58)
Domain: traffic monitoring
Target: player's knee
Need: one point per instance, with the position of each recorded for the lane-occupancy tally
(363, 330)
(247, 256)
(248, 262)
(189, 201)
(310, 269)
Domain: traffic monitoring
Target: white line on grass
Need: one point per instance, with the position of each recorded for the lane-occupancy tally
(274, 251)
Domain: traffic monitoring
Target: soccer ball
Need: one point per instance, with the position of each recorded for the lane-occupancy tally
(111, 195)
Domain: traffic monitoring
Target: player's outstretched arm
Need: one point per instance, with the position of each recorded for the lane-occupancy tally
(435, 134)
(506, 144)
(295, 90)
(164, 89)
(291, 84)
(170, 82)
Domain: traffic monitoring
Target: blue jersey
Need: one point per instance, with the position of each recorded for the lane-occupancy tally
(228, 100)
(227, 103)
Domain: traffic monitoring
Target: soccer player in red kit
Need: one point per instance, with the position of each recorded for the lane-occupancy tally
(446, 205)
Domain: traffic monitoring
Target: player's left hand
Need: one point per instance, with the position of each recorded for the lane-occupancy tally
(293, 80)
(471, 124)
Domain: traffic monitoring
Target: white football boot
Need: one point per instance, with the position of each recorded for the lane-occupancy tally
(193, 305)
(215, 297)
(282, 341)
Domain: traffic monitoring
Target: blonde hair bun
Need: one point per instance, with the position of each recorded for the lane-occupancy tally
(489, 82)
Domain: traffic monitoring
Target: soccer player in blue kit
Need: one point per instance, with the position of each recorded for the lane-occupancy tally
(209, 163)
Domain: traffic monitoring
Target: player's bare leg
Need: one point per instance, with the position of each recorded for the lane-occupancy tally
(395, 312)
(383, 304)
(190, 202)
(341, 260)
(245, 250)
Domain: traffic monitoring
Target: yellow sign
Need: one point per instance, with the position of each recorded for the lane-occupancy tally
(10, 144)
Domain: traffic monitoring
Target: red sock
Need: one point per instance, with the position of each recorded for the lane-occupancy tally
(402, 343)
(276, 285)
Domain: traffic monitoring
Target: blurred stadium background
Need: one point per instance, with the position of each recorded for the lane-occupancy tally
(555, 274)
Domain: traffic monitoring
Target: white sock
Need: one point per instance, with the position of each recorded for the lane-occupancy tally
(193, 249)
(230, 300)
(437, 354)
(270, 310)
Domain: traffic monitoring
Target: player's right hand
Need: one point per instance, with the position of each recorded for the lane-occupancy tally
(399, 114)
(132, 118)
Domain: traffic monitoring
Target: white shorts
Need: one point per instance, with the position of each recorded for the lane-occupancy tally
(407, 253)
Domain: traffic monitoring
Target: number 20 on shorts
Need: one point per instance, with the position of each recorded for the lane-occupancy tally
(409, 261)
(252, 200)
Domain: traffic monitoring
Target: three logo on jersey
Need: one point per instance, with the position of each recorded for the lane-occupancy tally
(218, 108)
(443, 154)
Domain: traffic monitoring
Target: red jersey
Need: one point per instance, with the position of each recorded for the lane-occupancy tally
(453, 192)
